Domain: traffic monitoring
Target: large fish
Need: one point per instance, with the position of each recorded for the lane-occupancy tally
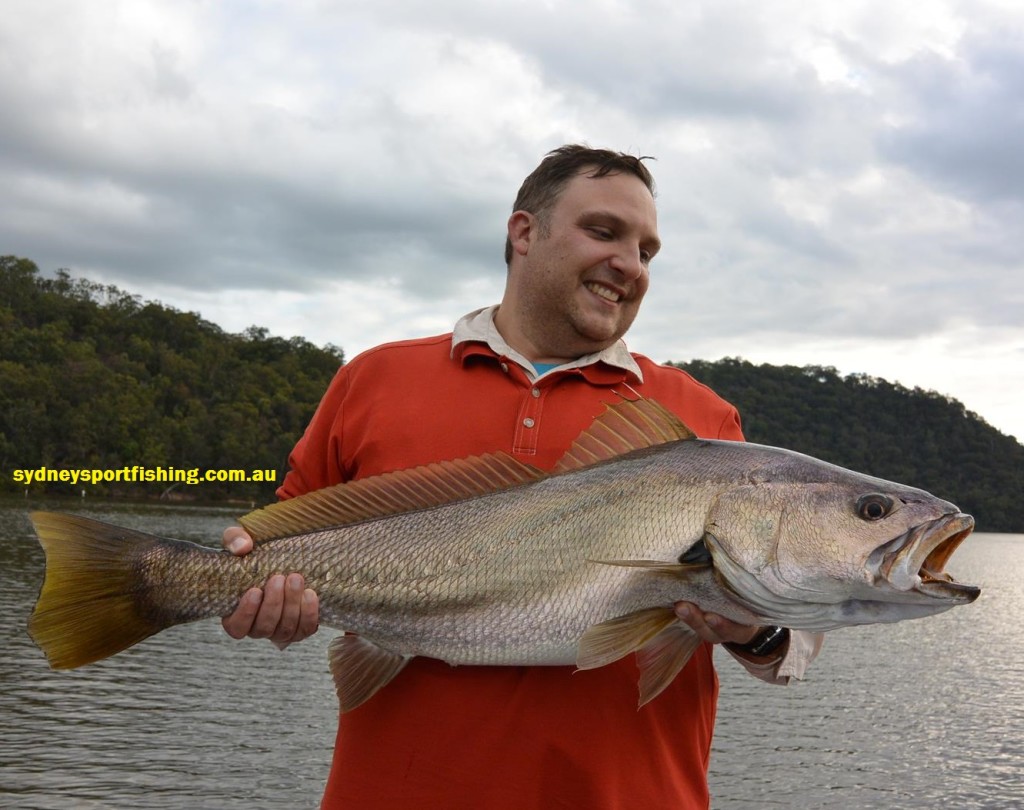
(488, 561)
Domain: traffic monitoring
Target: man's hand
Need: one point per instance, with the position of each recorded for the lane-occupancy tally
(714, 628)
(284, 610)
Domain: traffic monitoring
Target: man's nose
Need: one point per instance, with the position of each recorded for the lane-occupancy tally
(628, 262)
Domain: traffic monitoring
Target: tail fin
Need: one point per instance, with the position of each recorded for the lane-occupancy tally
(86, 609)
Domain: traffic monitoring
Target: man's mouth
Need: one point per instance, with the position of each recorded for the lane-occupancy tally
(606, 293)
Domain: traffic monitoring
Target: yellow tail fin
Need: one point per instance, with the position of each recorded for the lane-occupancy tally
(88, 608)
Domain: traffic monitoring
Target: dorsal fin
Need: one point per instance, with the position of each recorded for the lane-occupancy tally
(623, 427)
(389, 494)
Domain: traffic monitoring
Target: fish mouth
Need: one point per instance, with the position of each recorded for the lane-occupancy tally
(916, 561)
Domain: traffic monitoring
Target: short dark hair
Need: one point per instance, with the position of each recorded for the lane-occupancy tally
(544, 184)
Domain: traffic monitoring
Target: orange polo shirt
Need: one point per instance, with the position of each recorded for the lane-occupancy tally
(488, 737)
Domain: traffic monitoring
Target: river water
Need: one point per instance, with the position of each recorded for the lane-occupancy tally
(921, 714)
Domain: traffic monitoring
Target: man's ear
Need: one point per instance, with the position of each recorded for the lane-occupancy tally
(522, 229)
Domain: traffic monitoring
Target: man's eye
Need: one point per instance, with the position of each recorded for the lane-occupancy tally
(601, 233)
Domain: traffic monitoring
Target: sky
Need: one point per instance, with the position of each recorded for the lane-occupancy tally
(839, 184)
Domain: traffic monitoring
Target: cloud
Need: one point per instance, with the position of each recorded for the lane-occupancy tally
(964, 122)
(279, 182)
(830, 175)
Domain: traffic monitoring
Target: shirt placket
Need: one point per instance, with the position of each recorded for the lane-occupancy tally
(531, 408)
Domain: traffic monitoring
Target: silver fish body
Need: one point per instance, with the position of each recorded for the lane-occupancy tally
(580, 567)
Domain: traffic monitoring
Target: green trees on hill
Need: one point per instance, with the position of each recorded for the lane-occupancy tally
(92, 377)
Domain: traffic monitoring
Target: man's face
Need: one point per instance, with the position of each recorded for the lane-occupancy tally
(585, 270)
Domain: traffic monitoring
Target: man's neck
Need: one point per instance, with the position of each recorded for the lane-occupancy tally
(517, 339)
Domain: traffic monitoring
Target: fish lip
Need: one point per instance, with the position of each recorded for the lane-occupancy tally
(916, 560)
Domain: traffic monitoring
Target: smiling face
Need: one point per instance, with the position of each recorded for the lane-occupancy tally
(579, 270)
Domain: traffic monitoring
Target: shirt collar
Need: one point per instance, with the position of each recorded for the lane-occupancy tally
(478, 327)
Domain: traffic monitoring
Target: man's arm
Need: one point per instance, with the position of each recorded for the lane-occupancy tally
(284, 610)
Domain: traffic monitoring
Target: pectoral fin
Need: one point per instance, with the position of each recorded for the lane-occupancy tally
(360, 668)
(659, 566)
(613, 639)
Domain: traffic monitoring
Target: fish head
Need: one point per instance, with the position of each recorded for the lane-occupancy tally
(826, 547)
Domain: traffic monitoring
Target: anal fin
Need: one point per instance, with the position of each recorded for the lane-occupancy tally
(360, 668)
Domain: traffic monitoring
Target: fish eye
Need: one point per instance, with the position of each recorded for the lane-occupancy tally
(874, 506)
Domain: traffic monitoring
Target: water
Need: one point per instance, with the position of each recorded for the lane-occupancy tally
(920, 714)
(187, 719)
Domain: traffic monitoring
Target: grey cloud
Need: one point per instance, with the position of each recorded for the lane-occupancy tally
(650, 57)
(252, 232)
(204, 217)
(967, 126)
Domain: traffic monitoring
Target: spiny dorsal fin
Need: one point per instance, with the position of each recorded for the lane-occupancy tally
(623, 427)
(389, 494)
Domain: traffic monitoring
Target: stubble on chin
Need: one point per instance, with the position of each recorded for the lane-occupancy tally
(597, 332)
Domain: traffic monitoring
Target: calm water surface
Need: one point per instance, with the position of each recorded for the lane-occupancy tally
(922, 714)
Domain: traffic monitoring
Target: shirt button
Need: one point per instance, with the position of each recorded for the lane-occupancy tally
(528, 422)
(536, 392)
(504, 367)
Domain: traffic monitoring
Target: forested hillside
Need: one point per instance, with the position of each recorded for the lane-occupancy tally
(914, 436)
(92, 377)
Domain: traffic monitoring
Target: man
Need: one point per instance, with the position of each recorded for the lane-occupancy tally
(525, 377)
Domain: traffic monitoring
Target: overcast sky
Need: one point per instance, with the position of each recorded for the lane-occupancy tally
(839, 183)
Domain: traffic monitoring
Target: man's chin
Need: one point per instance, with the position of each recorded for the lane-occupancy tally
(599, 339)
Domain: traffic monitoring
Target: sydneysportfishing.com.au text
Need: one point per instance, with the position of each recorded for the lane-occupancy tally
(141, 475)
